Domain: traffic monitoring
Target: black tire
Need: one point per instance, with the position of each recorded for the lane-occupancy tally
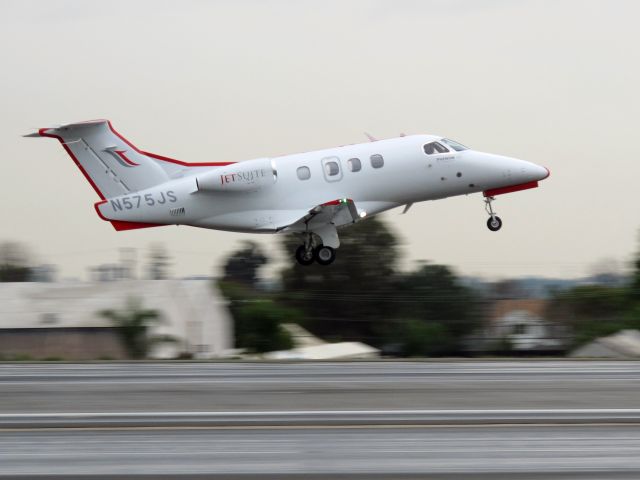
(303, 257)
(324, 255)
(494, 224)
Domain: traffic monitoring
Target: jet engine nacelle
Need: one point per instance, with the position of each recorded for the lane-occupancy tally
(248, 176)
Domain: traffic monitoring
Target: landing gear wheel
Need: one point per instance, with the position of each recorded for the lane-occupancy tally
(304, 255)
(494, 224)
(325, 255)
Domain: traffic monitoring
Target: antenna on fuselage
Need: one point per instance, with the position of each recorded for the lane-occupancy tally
(371, 137)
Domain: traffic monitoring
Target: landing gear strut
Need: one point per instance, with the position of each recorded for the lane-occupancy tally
(305, 253)
(494, 223)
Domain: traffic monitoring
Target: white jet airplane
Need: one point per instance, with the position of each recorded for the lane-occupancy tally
(311, 193)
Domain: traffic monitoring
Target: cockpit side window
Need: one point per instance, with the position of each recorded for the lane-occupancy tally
(435, 147)
(458, 147)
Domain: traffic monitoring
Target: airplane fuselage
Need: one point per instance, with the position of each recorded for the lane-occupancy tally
(313, 193)
(405, 175)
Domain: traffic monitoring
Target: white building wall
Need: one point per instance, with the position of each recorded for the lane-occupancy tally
(194, 311)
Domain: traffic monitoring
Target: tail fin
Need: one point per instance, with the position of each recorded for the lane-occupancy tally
(113, 165)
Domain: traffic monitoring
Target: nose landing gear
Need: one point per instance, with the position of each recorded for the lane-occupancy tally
(494, 223)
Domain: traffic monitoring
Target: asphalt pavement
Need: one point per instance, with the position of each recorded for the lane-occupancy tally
(475, 420)
(149, 387)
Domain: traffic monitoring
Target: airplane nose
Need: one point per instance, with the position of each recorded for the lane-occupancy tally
(540, 173)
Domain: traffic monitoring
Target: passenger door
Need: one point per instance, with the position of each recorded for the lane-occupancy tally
(331, 169)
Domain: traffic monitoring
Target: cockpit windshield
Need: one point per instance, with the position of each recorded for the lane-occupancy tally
(458, 147)
(435, 147)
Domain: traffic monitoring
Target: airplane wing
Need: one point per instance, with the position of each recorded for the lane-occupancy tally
(338, 212)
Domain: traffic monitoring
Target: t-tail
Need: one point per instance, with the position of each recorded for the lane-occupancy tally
(112, 164)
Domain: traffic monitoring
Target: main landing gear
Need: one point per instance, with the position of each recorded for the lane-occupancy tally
(494, 223)
(309, 252)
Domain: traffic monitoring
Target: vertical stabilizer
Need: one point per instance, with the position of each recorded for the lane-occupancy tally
(108, 162)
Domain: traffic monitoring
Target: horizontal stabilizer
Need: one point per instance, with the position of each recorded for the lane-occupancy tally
(42, 131)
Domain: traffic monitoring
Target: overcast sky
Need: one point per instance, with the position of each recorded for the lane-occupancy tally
(555, 82)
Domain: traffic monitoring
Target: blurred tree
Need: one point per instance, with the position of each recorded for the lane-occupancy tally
(447, 310)
(634, 288)
(256, 316)
(354, 297)
(592, 311)
(363, 297)
(158, 262)
(257, 319)
(417, 338)
(243, 265)
(14, 262)
(258, 326)
(132, 324)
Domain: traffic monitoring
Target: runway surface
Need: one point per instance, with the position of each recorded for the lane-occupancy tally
(313, 386)
(476, 420)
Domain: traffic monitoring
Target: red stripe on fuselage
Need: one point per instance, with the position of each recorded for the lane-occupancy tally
(510, 189)
(336, 202)
(120, 225)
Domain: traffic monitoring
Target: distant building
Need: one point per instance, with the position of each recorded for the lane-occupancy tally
(623, 344)
(111, 272)
(43, 320)
(43, 273)
(520, 324)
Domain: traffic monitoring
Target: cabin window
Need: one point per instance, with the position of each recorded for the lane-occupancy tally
(332, 169)
(377, 161)
(304, 173)
(458, 147)
(435, 147)
(354, 164)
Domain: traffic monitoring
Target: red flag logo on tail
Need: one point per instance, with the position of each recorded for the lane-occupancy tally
(121, 158)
